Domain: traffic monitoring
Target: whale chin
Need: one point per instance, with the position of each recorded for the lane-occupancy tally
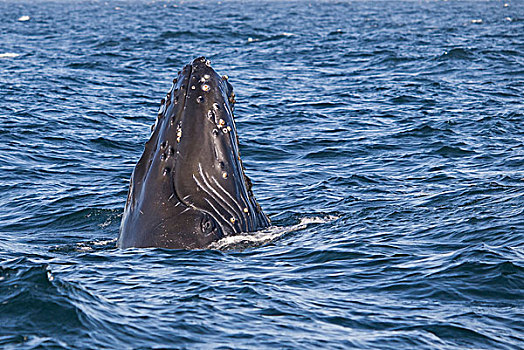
(189, 188)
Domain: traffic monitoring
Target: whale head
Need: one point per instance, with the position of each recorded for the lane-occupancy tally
(189, 188)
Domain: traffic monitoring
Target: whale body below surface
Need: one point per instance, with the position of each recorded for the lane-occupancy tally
(189, 188)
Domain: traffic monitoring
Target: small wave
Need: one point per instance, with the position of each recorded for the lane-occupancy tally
(336, 32)
(178, 34)
(39, 309)
(108, 43)
(83, 65)
(396, 59)
(452, 151)
(9, 55)
(24, 18)
(419, 131)
(411, 99)
(32, 300)
(262, 38)
(317, 104)
(89, 246)
(251, 240)
(456, 54)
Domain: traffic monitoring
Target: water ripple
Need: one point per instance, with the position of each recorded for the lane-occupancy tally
(386, 148)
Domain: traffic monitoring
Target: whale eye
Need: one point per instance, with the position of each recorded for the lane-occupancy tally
(208, 225)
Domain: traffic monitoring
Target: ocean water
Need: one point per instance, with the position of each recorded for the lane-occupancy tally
(385, 140)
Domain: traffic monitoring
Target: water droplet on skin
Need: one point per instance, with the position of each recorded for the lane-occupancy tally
(193, 87)
(199, 99)
(162, 157)
(224, 130)
(246, 210)
(208, 63)
(206, 76)
(224, 175)
(232, 220)
(221, 122)
(215, 132)
(216, 107)
(166, 171)
(211, 115)
(228, 128)
(225, 77)
(205, 87)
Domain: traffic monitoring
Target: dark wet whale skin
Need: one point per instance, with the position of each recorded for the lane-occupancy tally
(189, 188)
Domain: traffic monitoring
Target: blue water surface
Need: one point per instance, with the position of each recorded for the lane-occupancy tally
(385, 140)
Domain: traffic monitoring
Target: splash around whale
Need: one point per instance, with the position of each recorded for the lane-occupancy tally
(189, 188)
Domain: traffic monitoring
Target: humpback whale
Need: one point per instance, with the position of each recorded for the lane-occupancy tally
(189, 188)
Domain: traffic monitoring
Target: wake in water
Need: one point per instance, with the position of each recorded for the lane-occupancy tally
(238, 242)
(268, 235)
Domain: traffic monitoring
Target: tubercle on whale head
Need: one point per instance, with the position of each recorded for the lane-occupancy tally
(196, 83)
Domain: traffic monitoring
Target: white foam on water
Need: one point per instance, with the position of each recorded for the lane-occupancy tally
(318, 220)
(24, 18)
(9, 55)
(255, 239)
(90, 246)
(106, 242)
(242, 241)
